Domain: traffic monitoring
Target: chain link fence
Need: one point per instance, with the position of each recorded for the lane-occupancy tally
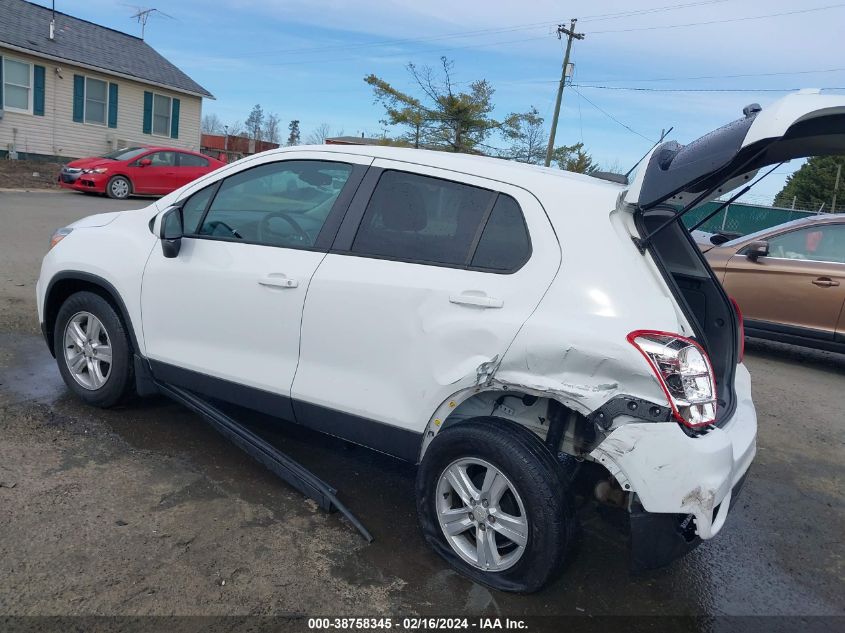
(741, 218)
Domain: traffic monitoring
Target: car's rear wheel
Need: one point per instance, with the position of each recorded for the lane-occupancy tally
(119, 187)
(493, 502)
(93, 350)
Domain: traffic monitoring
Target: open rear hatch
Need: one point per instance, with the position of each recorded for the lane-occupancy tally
(673, 175)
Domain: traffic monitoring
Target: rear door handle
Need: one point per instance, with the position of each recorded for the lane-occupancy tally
(477, 300)
(278, 280)
(825, 282)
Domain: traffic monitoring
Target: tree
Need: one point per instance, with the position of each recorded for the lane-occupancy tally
(319, 135)
(812, 185)
(211, 124)
(574, 158)
(236, 129)
(293, 136)
(255, 122)
(528, 139)
(442, 117)
(271, 128)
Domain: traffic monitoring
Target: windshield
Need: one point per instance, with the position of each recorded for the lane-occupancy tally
(125, 153)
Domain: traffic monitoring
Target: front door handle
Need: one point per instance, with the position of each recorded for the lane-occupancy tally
(278, 280)
(479, 300)
(825, 282)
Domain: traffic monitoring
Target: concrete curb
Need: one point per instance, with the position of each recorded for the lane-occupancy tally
(15, 190)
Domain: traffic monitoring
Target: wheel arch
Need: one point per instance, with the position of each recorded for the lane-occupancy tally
(555, 421)
(66, 283)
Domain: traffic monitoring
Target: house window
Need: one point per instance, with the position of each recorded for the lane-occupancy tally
(161, 115)
(17, 86)
(96, 101)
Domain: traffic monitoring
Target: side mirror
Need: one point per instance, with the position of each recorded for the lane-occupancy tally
(170, 232)
(755, 250)
(145, 162)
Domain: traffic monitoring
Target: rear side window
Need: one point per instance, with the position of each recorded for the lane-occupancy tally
(504, 244)
(422, 219)
(191, 160)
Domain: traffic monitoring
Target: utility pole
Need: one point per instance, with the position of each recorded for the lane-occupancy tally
(570, 35)
(836, 188)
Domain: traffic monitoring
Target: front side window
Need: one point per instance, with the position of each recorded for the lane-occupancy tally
(161, 115)
(278, 204)
(17, 85)
(161, 159)
(96, 101)
(825, 243)
(422, 219)
(193, 209)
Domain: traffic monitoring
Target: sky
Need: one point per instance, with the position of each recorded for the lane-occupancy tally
(694, 63)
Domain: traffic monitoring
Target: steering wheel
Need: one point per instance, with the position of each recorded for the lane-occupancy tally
(215, 223)
(264, 227)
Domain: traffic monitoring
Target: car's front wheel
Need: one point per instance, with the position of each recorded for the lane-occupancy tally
(493, 502)
(93, 350)
(119, 187)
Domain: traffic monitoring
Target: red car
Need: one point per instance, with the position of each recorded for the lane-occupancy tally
(137, 170)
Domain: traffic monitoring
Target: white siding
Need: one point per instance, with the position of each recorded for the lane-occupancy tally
(56, 133)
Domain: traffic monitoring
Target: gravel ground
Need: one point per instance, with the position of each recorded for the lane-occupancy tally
(144, 510)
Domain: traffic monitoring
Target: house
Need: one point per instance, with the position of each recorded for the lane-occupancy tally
(71, 88)
(228, 148)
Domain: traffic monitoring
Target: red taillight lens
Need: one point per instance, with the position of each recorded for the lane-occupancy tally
(741, 322)
(684, 372)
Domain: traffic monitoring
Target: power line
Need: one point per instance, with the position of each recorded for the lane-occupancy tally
(462, 34)
(753, 17)
(786, 72)
(636, 89)
(609, 115)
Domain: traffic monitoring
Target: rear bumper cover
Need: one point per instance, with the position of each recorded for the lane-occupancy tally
(675, 474)
(658, 539)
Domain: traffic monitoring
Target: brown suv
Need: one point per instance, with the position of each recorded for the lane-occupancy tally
(789, 280)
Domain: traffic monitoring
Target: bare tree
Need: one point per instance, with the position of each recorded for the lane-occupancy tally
(319, 135)
(271, 128)
(211, 124)
(236, 129)
(528, 138)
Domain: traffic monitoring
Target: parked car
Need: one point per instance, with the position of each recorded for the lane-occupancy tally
(789, 280)
(454, 311)
(137, 170)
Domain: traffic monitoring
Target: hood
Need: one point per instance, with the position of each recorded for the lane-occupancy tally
(91, 161)
(91, 221)
(797, 126)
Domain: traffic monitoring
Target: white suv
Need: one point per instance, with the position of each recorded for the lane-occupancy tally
(507, 327)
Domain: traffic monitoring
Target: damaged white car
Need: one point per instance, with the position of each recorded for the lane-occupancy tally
(510, 328)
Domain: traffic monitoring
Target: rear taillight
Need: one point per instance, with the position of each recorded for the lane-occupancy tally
(685, 373)
(741, 328)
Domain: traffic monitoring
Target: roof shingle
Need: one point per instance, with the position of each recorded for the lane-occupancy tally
(26, 25)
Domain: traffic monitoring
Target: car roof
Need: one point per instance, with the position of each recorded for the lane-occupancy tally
(485, 166)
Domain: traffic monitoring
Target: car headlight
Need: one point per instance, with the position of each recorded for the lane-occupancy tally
(59, 235)
(99, 170)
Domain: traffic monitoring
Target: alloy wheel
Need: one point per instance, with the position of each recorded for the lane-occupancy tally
(481, 514)
(88, 351)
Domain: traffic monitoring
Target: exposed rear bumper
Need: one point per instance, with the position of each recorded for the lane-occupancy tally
(675, 474)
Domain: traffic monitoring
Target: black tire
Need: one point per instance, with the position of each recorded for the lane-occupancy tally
(119, 187)
(119, 382)
(533, 471)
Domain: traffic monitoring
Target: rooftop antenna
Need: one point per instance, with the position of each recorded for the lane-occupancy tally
(53, 22)
(143, 14)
